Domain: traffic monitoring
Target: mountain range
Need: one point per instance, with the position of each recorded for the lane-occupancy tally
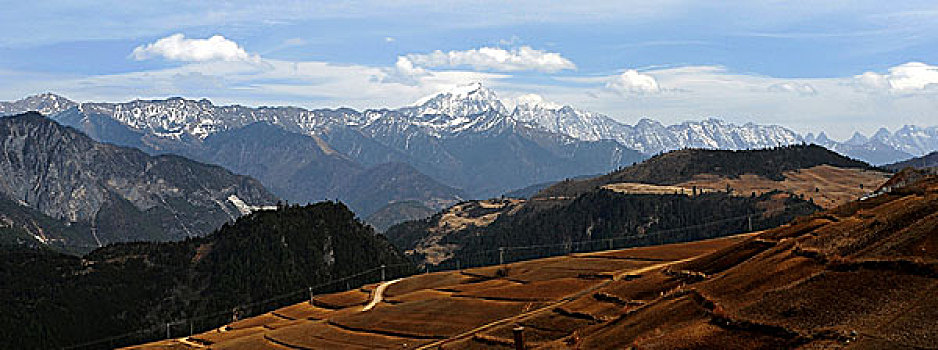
(63, 189)
(458, 144)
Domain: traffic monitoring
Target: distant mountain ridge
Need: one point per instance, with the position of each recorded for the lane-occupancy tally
(452, 149)
(108, 193)
(927, 161)
(449, 137)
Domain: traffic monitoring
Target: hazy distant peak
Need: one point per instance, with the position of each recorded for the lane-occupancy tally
(857, 139)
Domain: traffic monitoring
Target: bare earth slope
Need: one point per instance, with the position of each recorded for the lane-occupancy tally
(862, 275)
(447, 308)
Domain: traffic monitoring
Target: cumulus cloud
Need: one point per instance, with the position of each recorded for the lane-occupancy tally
(523, 58)
(633, 82)
(908, 77)
(177, 47)
(793, 87)
(404, 72)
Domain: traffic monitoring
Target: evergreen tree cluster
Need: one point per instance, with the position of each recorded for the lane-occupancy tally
(59, 300)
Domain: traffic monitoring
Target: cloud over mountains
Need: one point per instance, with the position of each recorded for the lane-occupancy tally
(177, 47)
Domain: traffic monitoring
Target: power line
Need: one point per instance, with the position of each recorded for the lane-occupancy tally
(500, 251)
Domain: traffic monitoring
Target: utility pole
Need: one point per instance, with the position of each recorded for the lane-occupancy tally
(167, 330)
(310, 295)
(501, 255)
(519, 337)
(382, 273)
(750, 222)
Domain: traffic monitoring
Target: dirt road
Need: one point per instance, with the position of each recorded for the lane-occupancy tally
(378, 295)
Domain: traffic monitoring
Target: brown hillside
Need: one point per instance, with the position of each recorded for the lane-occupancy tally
(863, 275)
(688, 165)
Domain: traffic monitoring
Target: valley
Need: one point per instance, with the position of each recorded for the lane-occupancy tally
(742, 189)
(857, 275)
(305, 175)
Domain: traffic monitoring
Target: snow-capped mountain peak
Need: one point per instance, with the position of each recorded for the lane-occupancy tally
(470, 109)
(459, 102)
(46, 103)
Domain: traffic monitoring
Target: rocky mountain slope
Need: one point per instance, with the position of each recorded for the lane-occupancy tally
(260, 261)
(111, 193)
(538, 140)
(298, 167)
(47, 104)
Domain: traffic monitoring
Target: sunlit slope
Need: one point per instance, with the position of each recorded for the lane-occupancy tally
(439, 307)
(862, 275)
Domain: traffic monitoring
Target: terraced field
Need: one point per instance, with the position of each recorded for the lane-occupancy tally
(472, 307)
(863, 275)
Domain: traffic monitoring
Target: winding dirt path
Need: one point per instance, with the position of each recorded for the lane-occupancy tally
(378, 294)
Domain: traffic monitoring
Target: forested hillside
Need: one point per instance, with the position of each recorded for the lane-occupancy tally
(473, 234)
(60, 300)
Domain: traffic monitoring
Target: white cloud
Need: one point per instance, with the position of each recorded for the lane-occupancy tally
(633, 82)
(523, 58)
(177, 48)
(908, 77)
(389, 39)
(404, 72)
(793, 87)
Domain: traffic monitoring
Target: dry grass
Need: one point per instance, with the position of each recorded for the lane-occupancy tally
(212, 337)
(640, 188)
(341, 300)
(459, 217)
(863, 272)
(256, 321)
(548, 290)
(427, 281)
(671, 252)
(313, 334)
(437, 318)
(250, 342)
(423, 294)
(303, 311)
(828, 186)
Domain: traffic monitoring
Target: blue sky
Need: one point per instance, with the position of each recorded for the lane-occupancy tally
(838, 66)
